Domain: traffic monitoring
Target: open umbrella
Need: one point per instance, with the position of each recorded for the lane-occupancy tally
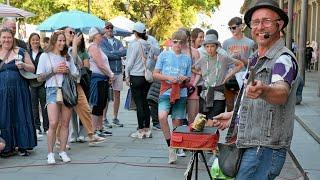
(122, 22)
(9, 11)
(75, 19)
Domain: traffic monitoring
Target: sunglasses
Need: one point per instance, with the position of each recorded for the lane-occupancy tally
(109, 27)
(72, 32)
(175, 41)
(233, 27)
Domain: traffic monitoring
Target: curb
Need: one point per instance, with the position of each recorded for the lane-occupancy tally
(296, 162)
(308, 129)
(313, 135)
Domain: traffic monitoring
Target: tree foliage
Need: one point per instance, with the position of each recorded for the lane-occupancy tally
(162, 17)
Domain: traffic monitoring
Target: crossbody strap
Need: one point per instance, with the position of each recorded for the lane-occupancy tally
(144, 58)
(252, 71)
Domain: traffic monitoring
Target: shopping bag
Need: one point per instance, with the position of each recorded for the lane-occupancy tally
(130, 104)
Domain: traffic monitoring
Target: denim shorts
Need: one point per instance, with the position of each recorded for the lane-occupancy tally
(178, 108)
(51, 95)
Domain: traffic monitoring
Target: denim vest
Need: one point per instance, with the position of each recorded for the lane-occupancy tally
(264, 124)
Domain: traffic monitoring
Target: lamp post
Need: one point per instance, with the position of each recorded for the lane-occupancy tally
(303, 37)
(89, 6)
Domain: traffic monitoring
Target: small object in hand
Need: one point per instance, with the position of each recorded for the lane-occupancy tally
(251, 77)
(199, 123)
(18, 62)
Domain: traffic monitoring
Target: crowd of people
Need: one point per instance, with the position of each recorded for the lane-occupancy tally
(193, 76)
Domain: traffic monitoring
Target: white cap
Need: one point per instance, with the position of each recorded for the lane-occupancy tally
(139, 27)
(93, 31)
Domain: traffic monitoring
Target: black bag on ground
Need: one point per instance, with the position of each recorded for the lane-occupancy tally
(69, 91)
(229, 159)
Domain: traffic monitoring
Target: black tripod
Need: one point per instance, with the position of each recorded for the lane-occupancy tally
(194, 160)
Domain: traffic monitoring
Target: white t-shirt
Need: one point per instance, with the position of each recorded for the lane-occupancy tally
(45, 66)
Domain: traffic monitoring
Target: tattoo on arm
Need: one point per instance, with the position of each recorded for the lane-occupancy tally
(45, 76)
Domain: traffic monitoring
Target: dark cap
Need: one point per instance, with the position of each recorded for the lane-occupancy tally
(269, 4)
(108, 24)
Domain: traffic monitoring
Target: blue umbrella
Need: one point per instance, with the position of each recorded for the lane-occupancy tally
(75, 19)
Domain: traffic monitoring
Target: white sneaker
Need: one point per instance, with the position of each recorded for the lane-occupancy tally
(148, 134)
(51, 159)
(39, 137)
(181, 153)
(72, 140)
(172, 156)
(65, 158)
(138, 134)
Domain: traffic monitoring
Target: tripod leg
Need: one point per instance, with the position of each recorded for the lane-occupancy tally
(205, 163)
(188, 172)
(197, 160)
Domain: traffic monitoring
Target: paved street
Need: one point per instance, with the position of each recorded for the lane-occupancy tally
(120, 157)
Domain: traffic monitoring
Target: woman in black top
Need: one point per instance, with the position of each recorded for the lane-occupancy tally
(38, 94)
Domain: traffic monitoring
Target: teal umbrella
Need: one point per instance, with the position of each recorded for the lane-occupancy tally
(75, 19)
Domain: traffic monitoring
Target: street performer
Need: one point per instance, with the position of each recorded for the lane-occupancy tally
(266, 114)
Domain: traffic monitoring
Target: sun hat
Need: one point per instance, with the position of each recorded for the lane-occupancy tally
(139, 27)
(269, 4)
(93, 31)
(210, 39)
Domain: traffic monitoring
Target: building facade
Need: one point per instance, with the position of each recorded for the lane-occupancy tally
(313, 23)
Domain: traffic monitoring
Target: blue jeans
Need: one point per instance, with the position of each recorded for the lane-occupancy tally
(261, 164)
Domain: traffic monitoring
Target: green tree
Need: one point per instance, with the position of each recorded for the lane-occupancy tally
(162, 17)
(165, 16)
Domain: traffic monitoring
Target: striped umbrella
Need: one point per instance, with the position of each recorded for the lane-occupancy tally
(9, 11)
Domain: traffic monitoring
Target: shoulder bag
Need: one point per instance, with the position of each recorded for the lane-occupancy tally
(147, 73)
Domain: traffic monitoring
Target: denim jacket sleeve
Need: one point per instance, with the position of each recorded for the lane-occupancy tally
(113, 55)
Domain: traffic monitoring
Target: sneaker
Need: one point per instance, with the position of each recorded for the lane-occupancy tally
(73, 140)
(138, 134)
(148, 134)
(172, 156)
(23, 152)
(81, 139)
(181, 153)
(64, 157)
(107, 133)
(156, 127)
(100, 134)
(39, 134)
(116, 122)
(96, 140)
(106, 123)
(51, 159)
